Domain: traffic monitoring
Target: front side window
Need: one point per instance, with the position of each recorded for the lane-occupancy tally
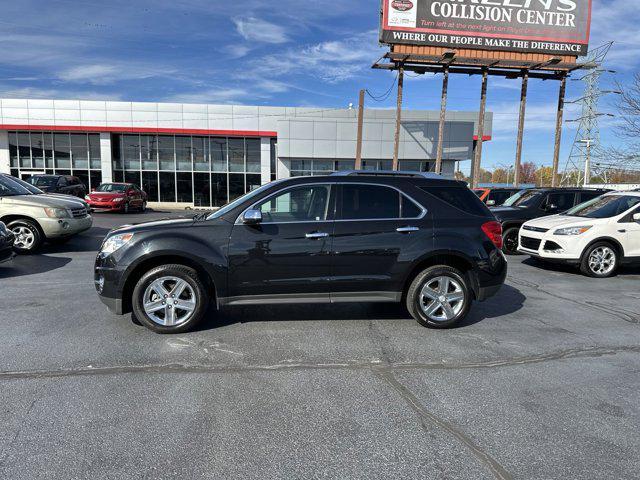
(524, 198)
(308, 203)
(605, 207)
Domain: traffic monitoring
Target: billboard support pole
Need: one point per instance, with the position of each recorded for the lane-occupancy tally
(523, 109)
(556, 151)
(443, 113)
(358, 165)
(475, 169)
(396, 145)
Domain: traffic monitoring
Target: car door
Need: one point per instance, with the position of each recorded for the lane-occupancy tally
(62, 186)
(378, 234)
(630, 229)
(135, 196)
(287, 254)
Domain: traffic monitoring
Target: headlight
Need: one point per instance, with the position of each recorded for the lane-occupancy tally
(116, 242)
(572, 231)
(119, 199)
(57, 213)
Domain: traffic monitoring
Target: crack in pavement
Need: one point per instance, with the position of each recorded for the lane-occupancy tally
(613, 310)
(427, 417)
(585, 352)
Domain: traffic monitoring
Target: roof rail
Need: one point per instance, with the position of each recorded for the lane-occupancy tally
(387, 173)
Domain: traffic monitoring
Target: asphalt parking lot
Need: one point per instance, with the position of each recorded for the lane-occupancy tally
(542, 381)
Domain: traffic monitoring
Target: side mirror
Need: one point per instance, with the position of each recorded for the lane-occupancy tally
(491, 203)
(252, 217)
(636, 217)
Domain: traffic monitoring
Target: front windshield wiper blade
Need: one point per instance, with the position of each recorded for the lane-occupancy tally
(201, 216)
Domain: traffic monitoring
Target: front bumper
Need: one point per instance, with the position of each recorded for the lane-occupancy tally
(6, 253)
(64, 227)
(109, 283)
(106, 206)
(547, 246)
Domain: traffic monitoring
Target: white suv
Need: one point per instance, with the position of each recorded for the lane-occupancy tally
(598, 235)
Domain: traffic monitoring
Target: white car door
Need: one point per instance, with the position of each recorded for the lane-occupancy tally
(631, 229)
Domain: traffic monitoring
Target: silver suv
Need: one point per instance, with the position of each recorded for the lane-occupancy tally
(35, 217)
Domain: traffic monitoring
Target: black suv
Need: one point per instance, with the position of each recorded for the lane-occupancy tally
(65, 184)
(534, 203)
(349, 237)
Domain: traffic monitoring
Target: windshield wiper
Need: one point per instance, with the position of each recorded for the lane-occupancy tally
(201, 216)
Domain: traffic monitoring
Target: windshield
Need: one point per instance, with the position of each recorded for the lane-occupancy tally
(605, 207)
(28, 186)
(43, 181)
(11, 188)
(523, 198)
(238, 201)
(112, 187)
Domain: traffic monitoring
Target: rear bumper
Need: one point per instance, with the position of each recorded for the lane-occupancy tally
(490, 276)
(6, 254)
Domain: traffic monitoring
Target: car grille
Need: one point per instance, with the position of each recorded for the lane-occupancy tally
(535, 229)
(79, 212)
(530, 243)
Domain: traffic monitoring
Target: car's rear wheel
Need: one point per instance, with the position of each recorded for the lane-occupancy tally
(170, 299)
(125, 207)
(439, 297)
(28, 236)
(600, 260)
(510, 241)
(143, 208)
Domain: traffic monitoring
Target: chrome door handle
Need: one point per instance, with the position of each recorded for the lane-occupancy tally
(407, 229)
(316, 235)
(622, 231)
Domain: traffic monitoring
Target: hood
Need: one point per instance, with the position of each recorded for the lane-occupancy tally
(556, 221)
(54, 201)
(156, 224)
(66, 197)
(108, 195)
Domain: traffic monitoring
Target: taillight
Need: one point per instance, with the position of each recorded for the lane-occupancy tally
(493, 230)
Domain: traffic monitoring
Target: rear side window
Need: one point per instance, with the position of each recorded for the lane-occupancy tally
(561, 201)
(369, 202)
(459, 197)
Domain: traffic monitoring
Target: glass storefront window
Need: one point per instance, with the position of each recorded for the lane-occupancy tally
(201, 190)
(200, 154)
(236, 155)
(132, 177)
(253, 155)
(13, 149)
(218, 189)
(48, 149)
(149, 149)
(79, 150)
(37, 149)
(94, 150)
(24, 150)
(218, 148)
(253, 182)
(166, 153)
(236, 186)
(167, 186)
(62, 151)
(184, 182)
(130, 152)
(150, 185)
(183, 154)
(95, 177)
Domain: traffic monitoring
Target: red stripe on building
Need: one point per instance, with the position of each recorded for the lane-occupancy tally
(485, 138)
(171, 131)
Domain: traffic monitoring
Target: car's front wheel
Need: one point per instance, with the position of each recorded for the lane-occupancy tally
(170, 299)
(28, 236)
(510, 241)
(600, 260)
(439, 297)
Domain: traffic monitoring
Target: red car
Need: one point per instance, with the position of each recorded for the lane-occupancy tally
(120, 197)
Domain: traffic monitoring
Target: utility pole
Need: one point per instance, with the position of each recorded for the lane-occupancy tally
(443, 115)
(360, 123)
(396, 144)
(475, 167)
(523, 106)
(558, 141)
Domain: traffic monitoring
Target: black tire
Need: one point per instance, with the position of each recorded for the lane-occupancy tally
(414, 298)
(510, 241)
(125, 207)
(586, 266)
(143, 208)
(182, 272)
(30, 228)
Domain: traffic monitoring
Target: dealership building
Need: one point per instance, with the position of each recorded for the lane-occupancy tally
(206, 155)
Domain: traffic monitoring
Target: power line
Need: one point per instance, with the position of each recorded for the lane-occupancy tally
(386, 95)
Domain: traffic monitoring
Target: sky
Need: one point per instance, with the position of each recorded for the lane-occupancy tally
(315, 53)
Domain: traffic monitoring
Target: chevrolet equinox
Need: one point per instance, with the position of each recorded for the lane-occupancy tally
(347, 237)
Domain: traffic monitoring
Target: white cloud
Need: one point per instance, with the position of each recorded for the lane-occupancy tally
(7, 91)
(104, 74)
(212, 95)
(255, 29)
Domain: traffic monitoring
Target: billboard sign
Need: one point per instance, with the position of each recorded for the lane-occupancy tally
(556, 27)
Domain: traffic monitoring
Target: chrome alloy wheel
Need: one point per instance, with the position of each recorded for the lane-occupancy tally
(25, 238)
(602, 260)
(442, 298)
(169, 301)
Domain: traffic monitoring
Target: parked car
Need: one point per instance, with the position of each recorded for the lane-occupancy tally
(353, 237)
(534, 203)
(6, 243)
(494, 197)
(121, 197)
(36, 191)
(64, 184)
(34, 218)
(598, 235)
